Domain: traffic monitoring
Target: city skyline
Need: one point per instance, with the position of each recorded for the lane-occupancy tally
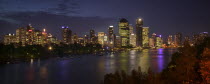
(163, 17)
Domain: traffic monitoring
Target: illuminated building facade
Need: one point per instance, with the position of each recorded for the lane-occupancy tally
(38, 37)
(44, 37)
(30, 35)
(93, 37)
(51, 39)
(101, 38)
(133, 40)
(105, 40)
(131, 28)
(124, 32)
(145, 37)
(170, 40)
(81, 41)
(159, 41)
(111, 36)
(118, 42)
(9, 39)
(86, 39)
(75, 38)
(66, 35)
(139, 26)
(151, 42)
(110, 33)
(21, 36)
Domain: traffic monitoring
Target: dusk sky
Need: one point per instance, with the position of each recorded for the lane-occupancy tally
(162, 16)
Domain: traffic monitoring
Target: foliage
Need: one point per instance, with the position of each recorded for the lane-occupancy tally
(190, 65)
(16, 52)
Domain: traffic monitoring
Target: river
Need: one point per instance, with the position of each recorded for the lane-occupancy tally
(83, 69)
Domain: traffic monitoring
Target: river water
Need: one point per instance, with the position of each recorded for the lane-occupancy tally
(83, 69)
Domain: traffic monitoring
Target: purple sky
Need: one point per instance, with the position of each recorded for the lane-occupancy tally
(162, 16)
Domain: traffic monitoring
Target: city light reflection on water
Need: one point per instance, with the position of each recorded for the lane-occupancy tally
(85, 68)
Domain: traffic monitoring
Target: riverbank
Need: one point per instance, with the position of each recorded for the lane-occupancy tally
(85, 68)
(190, 65)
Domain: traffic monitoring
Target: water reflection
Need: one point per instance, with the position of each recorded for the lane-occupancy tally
(31, 62)
(132, 59)
(123, 60)
(160, 60)
(144, 60)
(84, 69)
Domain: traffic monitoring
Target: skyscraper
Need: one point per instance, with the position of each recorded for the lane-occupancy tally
(151, 42)
(124, 32)
(133, 40)
(110, 33)
(51, 39)
(92, 36)
(139, 25)
(159, 41)
(21, 36)
(101, 38)
(86, 39)
(66, 35)
(9, 38)
(170, 40)
(111, 37)
(75, 38)
(131, 28)
(30, 35)
(38, 37)
(44, 36)
(145, 37)
(178, 39)
(118, 42)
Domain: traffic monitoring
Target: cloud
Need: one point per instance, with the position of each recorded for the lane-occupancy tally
(53, 22)
(65, 7)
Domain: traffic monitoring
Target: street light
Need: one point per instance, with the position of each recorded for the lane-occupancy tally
(50, 48)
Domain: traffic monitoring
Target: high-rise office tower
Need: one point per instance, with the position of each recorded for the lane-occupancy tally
(159, 41)
(92, 37)
(133, 40)
(145, 37)
(86, 39)
(21, 36)
(9, 39)
(51, 39)
(101, 38)
(131, 28)
(106, 40)
(111, 37)
(92, 33)
(118, 42)
(124, 32)
(38, 37)
(66, 35)
(44, 37)
(151, 42)
(110, 33)
(81, 41)
(178, 39)
(170, 40)
(30, 35)
(75, 38)
(154, 38)
(139, 26)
